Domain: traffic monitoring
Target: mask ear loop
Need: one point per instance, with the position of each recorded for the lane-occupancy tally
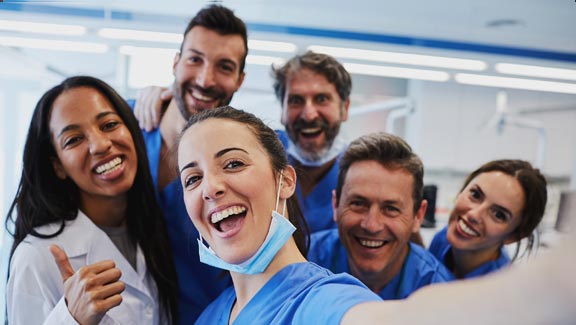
(278, 194)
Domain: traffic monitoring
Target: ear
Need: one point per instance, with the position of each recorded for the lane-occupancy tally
(345, 110)
(58, 168)
(240, 80)
(175, 63)
(288, 183)
(419, 217)
(334, 206)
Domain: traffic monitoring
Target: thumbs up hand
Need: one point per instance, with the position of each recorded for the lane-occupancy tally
(92, 290)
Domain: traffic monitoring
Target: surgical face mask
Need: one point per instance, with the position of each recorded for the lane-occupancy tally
(279, 232)
(336, 148)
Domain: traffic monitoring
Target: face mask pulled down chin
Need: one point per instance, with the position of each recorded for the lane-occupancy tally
(279, 232)
(336, 148)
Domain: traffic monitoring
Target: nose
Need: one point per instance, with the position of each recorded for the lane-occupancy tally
(99, 144)
(205, 77)
(213, 187)
(372, 221)
(309, 113)
(476, 213)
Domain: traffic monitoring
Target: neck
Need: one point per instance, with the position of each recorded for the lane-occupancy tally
(465, 261)
(105, 211)
(247, 286)
(376, 281)
(310, 176)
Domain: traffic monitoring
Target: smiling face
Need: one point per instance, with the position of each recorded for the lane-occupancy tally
(312, 112)
(376, 217)
(94, 147)
(229, 186)
(486, 213)
(207, 72)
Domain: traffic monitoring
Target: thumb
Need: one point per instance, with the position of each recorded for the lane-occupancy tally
(61, 260)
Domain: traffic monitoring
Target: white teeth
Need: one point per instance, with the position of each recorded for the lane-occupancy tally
(309, 131)
(221, 215)
(110, 166)
(202, 98)
(372, 243)
(467, 230)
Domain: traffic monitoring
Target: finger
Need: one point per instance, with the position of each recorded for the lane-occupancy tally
(104, 277)
(93, 270)
(166, 94)
(62, 261)
(111, 289)
(102, 306)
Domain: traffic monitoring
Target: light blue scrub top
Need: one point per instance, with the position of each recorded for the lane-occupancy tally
(199, 283)
(440, 247)
(317, 205)
(301, 293)
(420, 268)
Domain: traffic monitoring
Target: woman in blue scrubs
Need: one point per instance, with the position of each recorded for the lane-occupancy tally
(239, 193)
(500, 203)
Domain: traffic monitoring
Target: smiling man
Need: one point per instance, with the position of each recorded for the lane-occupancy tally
(314, 90)
(377, 205)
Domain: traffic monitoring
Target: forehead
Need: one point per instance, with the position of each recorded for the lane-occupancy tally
(372, 180)
(502, 189)
(76, 105)
(308, 81)
(204, 139)
(214, 45)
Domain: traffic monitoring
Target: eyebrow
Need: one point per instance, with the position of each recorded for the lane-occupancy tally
(76, 126)
(219, 154)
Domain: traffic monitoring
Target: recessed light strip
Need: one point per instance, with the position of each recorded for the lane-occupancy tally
(53, 45)
(140, 35)
(42, 28)
(515, 83)
(402, 58)
(536, 71)
(396, 72)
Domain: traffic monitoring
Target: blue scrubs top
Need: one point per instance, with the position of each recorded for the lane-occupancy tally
(300, 293)
(420, 268)
(440, 248)
(199, 283)
(317, 205)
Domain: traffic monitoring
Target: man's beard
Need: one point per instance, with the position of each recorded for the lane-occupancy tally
(311, 153)
(180, 92)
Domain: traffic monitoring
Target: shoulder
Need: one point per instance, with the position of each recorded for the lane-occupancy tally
(428, 266)
(323, 244)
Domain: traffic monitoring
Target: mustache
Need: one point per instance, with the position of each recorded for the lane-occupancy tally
(317, 123)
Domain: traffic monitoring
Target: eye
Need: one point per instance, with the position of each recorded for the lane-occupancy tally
(321, 98)
(110, 125)
(475, 193)
(500, 215)
(234, 164)
(227, 67)
(191, 180)
(358, 205)
(194, 59)
(72, 141)
(295, 101)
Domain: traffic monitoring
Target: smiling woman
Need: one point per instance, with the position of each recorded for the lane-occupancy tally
(235, 180)
(87, 216)
(500, 203)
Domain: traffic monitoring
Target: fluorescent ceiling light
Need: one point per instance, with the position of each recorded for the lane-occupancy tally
(264, 60)
(515, 83)
(272, 46)
(402, 58)
(536, 71)
(140, 50)
(140, 35)
(53, 45)
(396, 72)
(42, 28)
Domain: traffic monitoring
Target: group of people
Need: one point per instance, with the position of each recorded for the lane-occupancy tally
(114, 224)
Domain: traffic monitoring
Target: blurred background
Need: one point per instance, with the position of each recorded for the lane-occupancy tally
(462, 81)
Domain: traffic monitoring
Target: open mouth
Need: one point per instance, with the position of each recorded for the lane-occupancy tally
(198, 96)
(311, 132)
(467, 230)
(229, 218)
(109, 167)
(371, 243)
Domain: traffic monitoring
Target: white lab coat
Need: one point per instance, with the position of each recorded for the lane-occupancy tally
(35, 292)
